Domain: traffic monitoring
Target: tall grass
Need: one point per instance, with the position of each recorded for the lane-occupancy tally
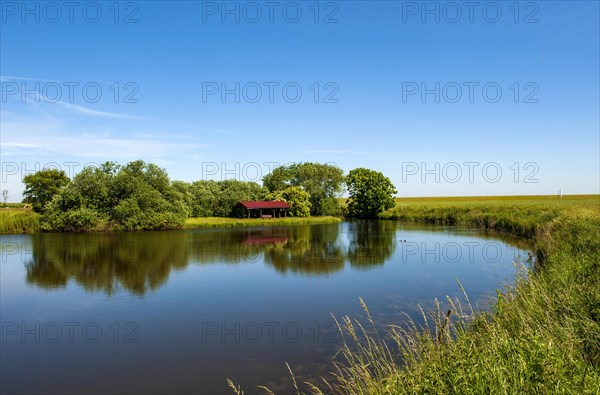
(518, 215)
(18, 221)
(541, 337)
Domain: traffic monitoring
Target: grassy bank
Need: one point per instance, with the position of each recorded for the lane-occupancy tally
(218, 222)
(542, 337)
(15, 221)
(18, 220)
(518, 215)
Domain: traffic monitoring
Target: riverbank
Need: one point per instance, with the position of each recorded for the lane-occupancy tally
(17, 221)
(542, 336)
(518, 215)
(219, 222)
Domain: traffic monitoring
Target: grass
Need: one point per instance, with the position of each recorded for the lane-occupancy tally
(541, 337)
(518, 215)
(219, 222)
(18, 220)
(12, 205)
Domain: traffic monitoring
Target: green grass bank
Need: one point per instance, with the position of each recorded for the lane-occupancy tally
(220, 222)
(18, 220)
(15, 221)
(541, 337)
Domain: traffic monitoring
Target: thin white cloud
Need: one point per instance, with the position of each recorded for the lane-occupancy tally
(39, 98)
(7, 78)
(18, 145)
(22, 136)
(89, 111)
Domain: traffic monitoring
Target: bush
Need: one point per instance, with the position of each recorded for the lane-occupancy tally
(75, 220)
(138, 196)
(296, 197)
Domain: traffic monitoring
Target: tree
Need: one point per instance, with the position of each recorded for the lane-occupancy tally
(211, 198)
(93, 185)
(323, 182)
(5, 196)
(41, 186)
(182, 191)
(144, 199)
(137, 196)
(370, 193)
(296, 197)
(205, 197)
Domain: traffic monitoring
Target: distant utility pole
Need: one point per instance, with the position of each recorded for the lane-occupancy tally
(5, 196)
(560, 193)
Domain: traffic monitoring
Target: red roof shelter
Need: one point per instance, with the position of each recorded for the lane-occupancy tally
(276, 208)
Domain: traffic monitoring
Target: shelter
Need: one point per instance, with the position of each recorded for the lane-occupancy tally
(275, 209)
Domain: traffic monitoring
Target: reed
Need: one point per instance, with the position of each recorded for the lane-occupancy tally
(14, 221)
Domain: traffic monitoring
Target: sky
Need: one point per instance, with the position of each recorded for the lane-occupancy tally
(444, 98)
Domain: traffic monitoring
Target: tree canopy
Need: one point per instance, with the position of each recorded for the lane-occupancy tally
(323, 182)
(137, 196)
(41, 186)
(296, 197)
(209, 198)
(370, 193)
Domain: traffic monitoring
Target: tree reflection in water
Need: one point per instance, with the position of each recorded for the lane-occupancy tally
(141, 262)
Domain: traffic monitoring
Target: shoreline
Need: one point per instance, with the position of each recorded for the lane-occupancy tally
(25, 221)
(224, 222)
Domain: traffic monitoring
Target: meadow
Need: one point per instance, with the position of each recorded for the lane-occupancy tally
(518, 215)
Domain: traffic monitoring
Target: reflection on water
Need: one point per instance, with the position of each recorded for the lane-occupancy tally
(205, 305)
(141, 262)
(106, 262)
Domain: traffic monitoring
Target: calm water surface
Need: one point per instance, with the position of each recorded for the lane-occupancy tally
(181, 311)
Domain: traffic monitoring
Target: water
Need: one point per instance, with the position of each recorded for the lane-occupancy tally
(181, 311)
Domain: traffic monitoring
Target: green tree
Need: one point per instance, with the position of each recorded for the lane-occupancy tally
(296, 197)
(205, 198)
(145, 199)
(231, 192)
(218, 198)
(183, 191)
(93, 185)
(137, 196)
(41, 186)
(370, 193)
(324, 183)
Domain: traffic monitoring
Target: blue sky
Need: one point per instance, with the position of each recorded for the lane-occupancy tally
(511, 103)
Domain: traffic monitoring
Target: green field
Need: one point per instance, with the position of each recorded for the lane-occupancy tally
(542, 336)
(531, 200)
(220, 222)
(518, 215)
